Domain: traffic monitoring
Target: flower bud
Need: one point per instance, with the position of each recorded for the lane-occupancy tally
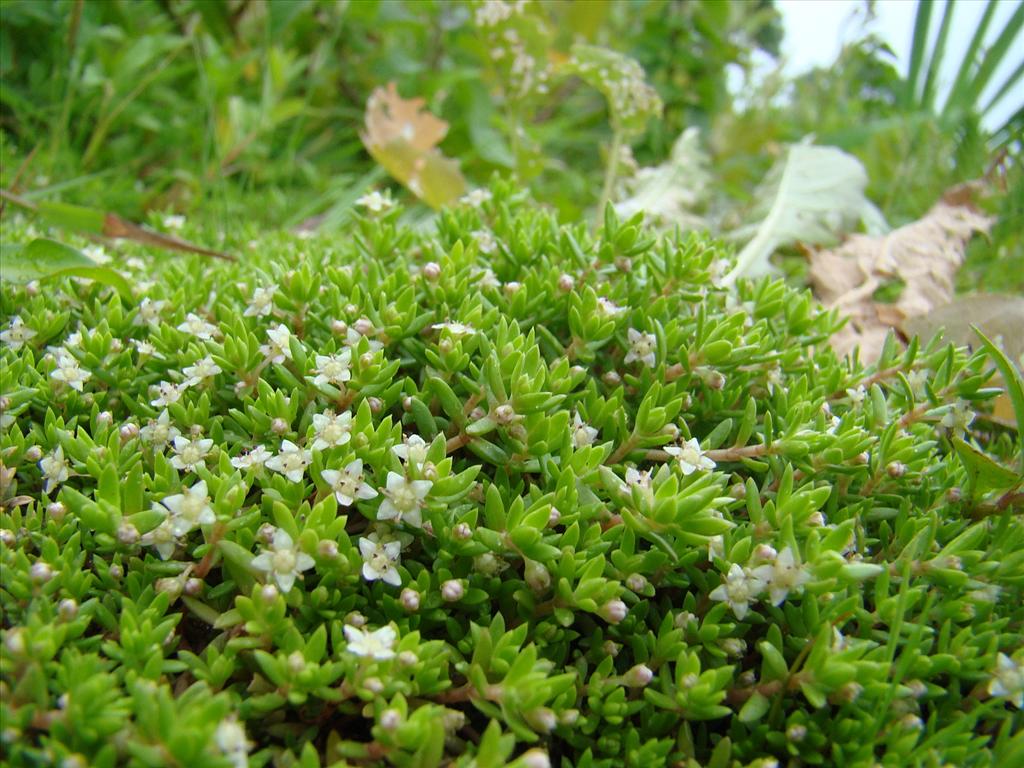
(40, 572)
(364, 327)
(816, 520)
(351, 309)
(15, 641)
(169, 585)
(541, 719)
(684, 619)
(410, 600)
(504, 414)
(638, 676)
(462, 532)
(954, 495)
(279, 426)
(373, 684)
(33, 453)
(611, 379)
(67, 609)
(375, 403)
(765, 552)
(796, 733)
(266, 532)
(115, 571)
(613, 611)
(452, 590)
(688, 680)
(734, 646)
(407, 404)
(366, 359)
(327, 549)
(431, 270)
(355, 619)
(407, 658)
(611, 648)
(569, 717)
(390, 719)
(104, 419)
(487, 564)
(128, 431)
(747, 678)
(193, 586)
(7, 537)
(536, 576)
(850, 692)
(566, 283)
(738, 491)
(127, 534)
(56, 511)
(896, 469)
(477, 413)
(269, 593)
(339, 327)
(636, 582)
(296, 662)
(553, 517)
(512, 287)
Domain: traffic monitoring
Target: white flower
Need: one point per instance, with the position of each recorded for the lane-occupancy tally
(476, 198)
(55, 468)
(190, 509)
(741, 587)
(455, 329)
(691, 457)
(262, 302)
(17, 333)
(642, 347)
(256, 457)
(190, 454)
(69, 371)
(412, 451)
(96, 254)
(378, 644)
(331, 429)
(485, 278)
(916, 379)
(279, 349)
(716, 547)
(172, 221)
(609, 308)
(159, 431)
(856, 395)
(347, 484)
(484, 240)
(333, 369)
(162, 538)
(168, 393)
(637, 479)
(404, 500)
(380, 559)
(149, 312)
(1008, 680)
(375, 202)
(958, 418)
(145, 348)
(291, 461)
(786, 576)
(283, 561)
(582, 433)
(353, 337)
(201, 370)
(196, 326)
(232, 742)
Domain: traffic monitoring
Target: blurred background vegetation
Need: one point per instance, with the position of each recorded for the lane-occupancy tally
(251, 109)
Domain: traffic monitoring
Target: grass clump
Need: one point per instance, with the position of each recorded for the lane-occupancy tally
(497, 493)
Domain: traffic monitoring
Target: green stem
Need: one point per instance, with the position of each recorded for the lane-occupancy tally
(609, 174)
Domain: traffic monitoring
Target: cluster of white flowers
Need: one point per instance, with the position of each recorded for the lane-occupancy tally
(743, 585)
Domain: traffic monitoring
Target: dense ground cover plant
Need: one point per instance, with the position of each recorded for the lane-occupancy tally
(499, 491)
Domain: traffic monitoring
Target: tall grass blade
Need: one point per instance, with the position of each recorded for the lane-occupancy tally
(994, 56)
(1005, 88)
(922, 22)
(967, 64)
(937, 57)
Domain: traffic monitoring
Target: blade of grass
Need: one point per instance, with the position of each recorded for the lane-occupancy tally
(1014, 385)
(937, 57)
(994, 56)
(1005, 88)
(968, 62)
(922, 22)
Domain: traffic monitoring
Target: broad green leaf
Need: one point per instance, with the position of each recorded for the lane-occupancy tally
(812, 196)
(984, 474)
(45, 259)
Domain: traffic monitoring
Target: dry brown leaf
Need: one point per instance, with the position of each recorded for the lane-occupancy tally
(924, 255)
(402, 136)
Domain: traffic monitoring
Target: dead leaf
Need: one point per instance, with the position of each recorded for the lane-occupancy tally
(924, 255)
(402, 136)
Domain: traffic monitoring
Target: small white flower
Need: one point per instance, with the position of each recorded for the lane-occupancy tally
(716, 548)
(485, 278)
(262, 302)
(691, 457)
(638, 479)
(856, 395)
(583, 434)
(353, 337)
(291, 461)
(959, 417)
(232, 742)
(55, 468)
(485, 241)
(201, 370)
(283, 561)
(189, 455)
(331, 429)
(786, 576)
(741, 587)
(256, 457)
(159, 431)
(96, 254)
(476, 198)
(198, 327)
(455, 329)
(333, 369)
(378, 644)
(145, 348)
(609, 308)
(148, 312)
(279, 349)
(375, 202)
(642, 347)
(162, 538)
(173, 221)
(69, 371)
(916, 379)
(17, 333)
(412, 451)
(348, 484)
(190, 509)
(404, 500)
(380, 558)
(1008, 680)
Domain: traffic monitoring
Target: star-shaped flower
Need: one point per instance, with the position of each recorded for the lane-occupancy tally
(347, 484)
(189, 455)
(404, 502)
(691, 457)
(331, 429)
(283, 561)
(380, 558)
(786, 576)
(190, 509)
(378, 644)
(291, 461)
(333, 369)
(1008, 680)
(642, 347)
(741, 587)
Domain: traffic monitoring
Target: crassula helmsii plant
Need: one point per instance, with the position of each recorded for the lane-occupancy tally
(391, 497)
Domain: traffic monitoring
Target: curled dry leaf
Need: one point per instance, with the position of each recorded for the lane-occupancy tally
(924, 255)
(402, 136)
